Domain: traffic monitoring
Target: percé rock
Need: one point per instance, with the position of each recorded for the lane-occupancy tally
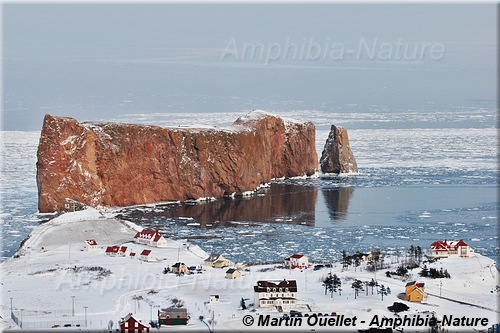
(111, 164)
(337, 156)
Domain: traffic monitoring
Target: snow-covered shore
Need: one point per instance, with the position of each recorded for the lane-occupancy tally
(64, 284)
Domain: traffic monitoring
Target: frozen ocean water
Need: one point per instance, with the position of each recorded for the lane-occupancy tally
(424, 175)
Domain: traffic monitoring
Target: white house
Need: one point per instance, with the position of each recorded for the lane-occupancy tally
(90, 245)
(275, 293)
(445, 249)
(151, 238)
(297, 261)
(146, 255)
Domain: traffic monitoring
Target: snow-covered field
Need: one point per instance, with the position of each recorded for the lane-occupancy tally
(66, 285)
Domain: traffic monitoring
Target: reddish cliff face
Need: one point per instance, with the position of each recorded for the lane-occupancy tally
(110, 164)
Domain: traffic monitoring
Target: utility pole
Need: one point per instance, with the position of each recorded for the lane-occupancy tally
(69, 242)
(73, 306)
(85, 307)
(440, 287)
(11, 305)
(213, 320)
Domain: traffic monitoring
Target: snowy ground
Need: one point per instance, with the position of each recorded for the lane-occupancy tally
(45, 287)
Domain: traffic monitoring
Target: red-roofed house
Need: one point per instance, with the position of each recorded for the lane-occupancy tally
(131, 325)
(147, 255)
(297, 261)
(151, 238)
(445, 249)
(90, 245)
(117, 251)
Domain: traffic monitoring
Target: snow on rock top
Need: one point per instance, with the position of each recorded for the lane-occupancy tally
(112, 164)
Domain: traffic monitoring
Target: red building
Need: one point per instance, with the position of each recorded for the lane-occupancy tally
(173, 316)
(444, 249)
(131, 325)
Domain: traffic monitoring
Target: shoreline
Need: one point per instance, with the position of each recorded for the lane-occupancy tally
(62, 272)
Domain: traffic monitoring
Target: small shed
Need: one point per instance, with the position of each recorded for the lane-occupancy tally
(90, 245)
(129, 324)
(214, 299)
(232, 274)
(146, 255)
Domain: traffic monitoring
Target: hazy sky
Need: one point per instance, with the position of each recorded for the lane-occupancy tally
(102, 61)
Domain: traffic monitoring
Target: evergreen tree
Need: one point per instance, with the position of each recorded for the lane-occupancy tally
(382, 291)
(419, 254)
(243, 304)
(356, 262)
(411, 252)
(357, 285)
(424, 272)
(372, 284)
(328, 282)
(345, 260)
(401, 270)
(376, 258)
(336, 283)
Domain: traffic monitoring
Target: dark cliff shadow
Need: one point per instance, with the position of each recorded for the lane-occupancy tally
(337, 201)
(279, 203)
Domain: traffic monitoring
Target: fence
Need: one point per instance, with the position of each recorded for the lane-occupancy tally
(24, 319)
(51, 324)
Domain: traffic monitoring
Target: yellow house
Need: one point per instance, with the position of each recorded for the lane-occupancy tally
(415, 292)
(232, 274)
(216, 260)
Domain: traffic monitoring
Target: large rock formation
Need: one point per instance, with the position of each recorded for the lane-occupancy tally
(110, 164)
(337, 156)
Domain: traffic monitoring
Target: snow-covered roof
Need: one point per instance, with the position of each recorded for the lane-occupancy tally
(295, 256)
(263, 285)
(214, 257)
(178, 264)
(112, 249)
(447, 245)
(148, 234)
(116, 249)
(130, 317)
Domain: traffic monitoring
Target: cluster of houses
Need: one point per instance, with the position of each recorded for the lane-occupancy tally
(147, 237)
(267, 293)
